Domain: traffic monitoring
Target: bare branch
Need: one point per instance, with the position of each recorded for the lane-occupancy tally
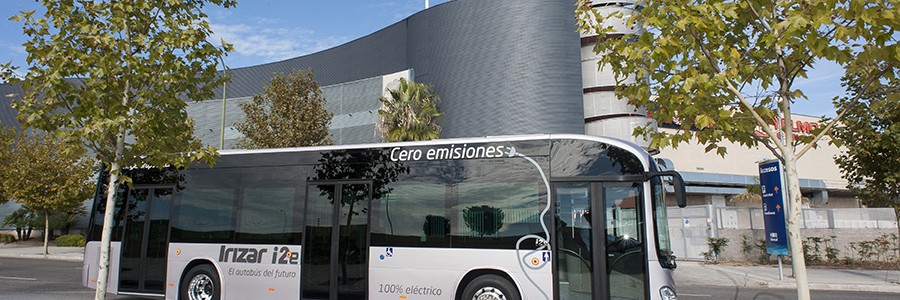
(709, 57)
(758, 16)
(759, 120)
(766, 142)
(756, 68)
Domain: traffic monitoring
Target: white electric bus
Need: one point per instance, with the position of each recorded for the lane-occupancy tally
(519, 217)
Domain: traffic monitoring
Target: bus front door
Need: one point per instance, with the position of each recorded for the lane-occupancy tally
(143, 255)
(335, 247)
(599, 227)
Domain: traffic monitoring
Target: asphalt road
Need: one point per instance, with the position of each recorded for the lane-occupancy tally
(32, 279)
(35, 279)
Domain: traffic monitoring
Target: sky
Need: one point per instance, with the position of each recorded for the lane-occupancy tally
(264, 31)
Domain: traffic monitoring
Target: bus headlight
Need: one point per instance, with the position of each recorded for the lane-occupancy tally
(667, 293)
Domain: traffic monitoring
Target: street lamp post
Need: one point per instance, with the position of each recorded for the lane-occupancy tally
(224, 90)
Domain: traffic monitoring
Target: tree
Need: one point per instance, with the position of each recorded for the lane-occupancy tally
(48, 176)
(290, 113)
(7, 147)
(436, 226)
(24, 221)
(410, 113)
(724, 69)
(483, 220)
(101, 71)
(871, 134)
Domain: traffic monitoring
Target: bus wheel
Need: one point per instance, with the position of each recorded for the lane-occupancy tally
(201, 283)
(490, 287)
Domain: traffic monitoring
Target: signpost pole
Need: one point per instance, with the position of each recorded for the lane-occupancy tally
(780, 269)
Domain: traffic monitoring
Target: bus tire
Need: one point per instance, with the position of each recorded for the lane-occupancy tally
(201, 283)
(491, 287)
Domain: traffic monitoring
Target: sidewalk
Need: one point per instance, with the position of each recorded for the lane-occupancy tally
(56, 253)
(691, 273)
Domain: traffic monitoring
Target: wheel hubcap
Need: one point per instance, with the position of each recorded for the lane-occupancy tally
(201, 288)
(489, 293)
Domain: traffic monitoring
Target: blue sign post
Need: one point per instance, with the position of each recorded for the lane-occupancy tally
(771, 182)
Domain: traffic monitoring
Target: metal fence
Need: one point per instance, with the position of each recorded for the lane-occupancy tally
(690, 226)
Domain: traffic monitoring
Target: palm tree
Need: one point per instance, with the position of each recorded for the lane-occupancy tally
(410, 113)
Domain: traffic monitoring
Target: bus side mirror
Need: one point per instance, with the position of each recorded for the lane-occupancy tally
(677, 184)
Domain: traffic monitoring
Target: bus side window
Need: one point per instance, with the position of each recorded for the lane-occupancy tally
(204, 211)
(271, 205)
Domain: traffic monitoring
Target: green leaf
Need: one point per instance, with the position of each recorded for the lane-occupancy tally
(703, 121)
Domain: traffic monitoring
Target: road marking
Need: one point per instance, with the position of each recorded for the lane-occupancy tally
(18, 278)
(693, 295)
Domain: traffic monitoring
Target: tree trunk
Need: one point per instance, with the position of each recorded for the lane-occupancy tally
(794, 215)
(19, 233)
(103, 271)
(46, 232)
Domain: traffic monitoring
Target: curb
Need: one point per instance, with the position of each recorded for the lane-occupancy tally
(72, 258)
(74, 254)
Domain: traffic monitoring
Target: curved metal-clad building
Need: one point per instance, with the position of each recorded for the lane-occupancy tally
(500, 67)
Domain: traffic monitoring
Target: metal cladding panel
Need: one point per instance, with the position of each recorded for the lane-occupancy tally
(10, 93)
(379, 53)
(7, 113)
(500, 67)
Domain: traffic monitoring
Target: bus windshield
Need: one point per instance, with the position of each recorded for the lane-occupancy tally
(661, 223)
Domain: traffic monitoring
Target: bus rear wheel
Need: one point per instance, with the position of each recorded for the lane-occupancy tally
(490, 287)
(201, 283)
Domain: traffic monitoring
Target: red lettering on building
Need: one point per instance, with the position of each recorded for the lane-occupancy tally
(799, 128)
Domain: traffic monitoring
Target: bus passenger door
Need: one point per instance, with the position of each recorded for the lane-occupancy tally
(335, 247)
(599, 227)
(143, 261)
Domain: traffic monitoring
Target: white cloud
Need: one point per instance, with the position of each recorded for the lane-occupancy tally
(15, 53)
(264, 40)
(18, 49)
(13, 48)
